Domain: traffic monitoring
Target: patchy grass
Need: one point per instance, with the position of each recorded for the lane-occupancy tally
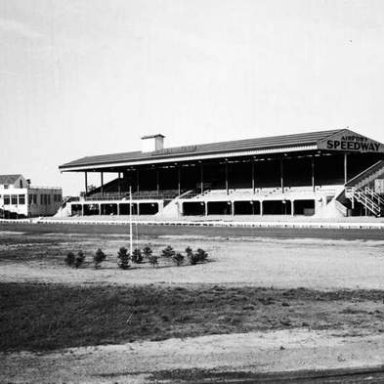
(46, 317)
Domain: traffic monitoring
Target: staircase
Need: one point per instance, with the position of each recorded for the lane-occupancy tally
(368, 176)
(360, 189)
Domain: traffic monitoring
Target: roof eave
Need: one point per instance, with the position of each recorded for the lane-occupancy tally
(188, 157)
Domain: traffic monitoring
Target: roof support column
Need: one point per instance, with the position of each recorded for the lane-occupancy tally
(179, 179)
(345, 168)
(282, 174)
(127, 177)
(102, 182)
(137, 181)
(253, 176)
(119, 183)
(313, 172)
(158, 181)
(201, 178)
(86, 183)
(226, 177)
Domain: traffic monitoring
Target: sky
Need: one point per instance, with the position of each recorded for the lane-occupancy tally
(89, 77)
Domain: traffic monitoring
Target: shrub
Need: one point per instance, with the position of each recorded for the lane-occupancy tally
(154, 260)
(178, 259)
(137, 257)
(123, 258)
(98, 258)
(79, 259)
(147, 252)
(168, 252)
(202, 255)
(70, 259)
(192, 257)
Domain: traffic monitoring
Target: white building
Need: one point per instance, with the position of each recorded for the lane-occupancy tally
(19, 198)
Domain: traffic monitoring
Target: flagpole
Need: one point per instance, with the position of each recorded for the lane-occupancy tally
(130, 222)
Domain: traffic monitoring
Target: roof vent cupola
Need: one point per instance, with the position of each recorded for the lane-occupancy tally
(152, 143)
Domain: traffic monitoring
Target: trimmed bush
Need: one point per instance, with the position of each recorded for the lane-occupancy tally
(178, 259)
(193, 259)
(123, 258)
(79, 260)
(98, 258)
(137, 257)
(154, 260)
(168, 252)
(202, 255)
(70, 259)
(147, 252)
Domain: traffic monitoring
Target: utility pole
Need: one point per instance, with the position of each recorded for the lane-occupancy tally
(130, 222)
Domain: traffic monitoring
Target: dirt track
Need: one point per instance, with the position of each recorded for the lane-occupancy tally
(251, 352)
(36, 254)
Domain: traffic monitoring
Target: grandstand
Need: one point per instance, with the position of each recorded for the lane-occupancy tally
(324, 174)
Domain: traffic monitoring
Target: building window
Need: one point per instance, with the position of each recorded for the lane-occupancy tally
(21, 199)
(21, 183)
(34, 199)
(6, 186)
(14, 199)
(48, 199)
(41, 199)
(7, 200)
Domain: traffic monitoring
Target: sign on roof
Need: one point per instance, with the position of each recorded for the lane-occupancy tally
(348, 141)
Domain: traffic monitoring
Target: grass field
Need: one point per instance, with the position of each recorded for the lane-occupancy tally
(274, 286)
(45, 317)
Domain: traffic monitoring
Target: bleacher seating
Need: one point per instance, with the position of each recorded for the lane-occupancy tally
(168, 194)
(263, 193)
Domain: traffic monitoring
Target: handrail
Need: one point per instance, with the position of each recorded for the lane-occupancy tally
(367, 202)
(375, 195)
(365, 172)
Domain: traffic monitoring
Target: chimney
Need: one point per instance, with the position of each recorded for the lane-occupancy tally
(152, 143)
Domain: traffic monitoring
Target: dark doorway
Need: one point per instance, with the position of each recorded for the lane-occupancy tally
(277, 207)
(247, 208)
(91, 209)
(304, 207)
(76, 209)
(194, 209)
(124, 209)
(148, 208)
(108, 209)
(219, 208)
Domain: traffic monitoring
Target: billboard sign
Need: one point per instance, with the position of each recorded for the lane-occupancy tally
(348, 141)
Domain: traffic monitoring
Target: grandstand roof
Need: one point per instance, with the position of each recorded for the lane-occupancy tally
(275, 144)
(8, 179)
